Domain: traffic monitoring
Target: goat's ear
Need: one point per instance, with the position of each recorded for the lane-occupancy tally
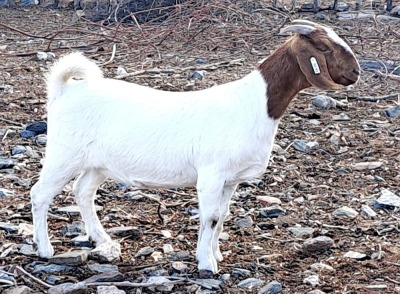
(313, 64)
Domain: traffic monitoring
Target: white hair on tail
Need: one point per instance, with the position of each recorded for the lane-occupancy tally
(69, 67)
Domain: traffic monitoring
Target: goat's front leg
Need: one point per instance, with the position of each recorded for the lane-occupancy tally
(223, 213)
(210, 190)
(85, 189)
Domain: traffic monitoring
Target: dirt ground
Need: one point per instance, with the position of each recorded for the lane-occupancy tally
(224, 39)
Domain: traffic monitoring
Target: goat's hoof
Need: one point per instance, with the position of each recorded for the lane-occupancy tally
(107, 252)
(46, 252)
(218, 256)
(208, 265)
(205, 274)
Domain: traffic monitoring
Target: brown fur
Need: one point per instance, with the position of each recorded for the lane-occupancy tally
(288, 70)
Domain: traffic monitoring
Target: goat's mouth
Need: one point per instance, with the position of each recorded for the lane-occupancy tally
(346, 80)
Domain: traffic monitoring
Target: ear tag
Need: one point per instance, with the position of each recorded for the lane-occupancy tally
(315, 65)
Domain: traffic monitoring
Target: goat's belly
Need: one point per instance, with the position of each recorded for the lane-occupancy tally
(156, 178)
(248, 173)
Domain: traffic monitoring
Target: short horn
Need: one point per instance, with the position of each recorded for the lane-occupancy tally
(303, 22)
(301, 29)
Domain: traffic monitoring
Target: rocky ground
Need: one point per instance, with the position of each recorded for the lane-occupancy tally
(322, 219)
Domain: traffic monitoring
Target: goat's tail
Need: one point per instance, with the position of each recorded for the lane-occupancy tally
(71, 66)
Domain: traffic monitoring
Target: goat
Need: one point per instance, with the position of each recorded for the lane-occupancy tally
(213, 139)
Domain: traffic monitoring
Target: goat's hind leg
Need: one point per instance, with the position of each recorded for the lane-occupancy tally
(52, 180)
(85, 189)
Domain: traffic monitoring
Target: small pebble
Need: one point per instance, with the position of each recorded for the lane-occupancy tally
(387, 200)
(6, 89)
(18, 149)
(180, 266)
(224, 236)
(37, 127)
(18, 290)
(41, 139)
(273, 287)
(323, 102)
(269, 200)
(368, 211)
(77, 257)
(321, 267)
(345, 212)
(132, 232)
(355, 255)
(82, 241)
(6, 193)
(167, 248)
(101, 268)
(301, 232)
(312, 280)
(237, 272)
(304, 146)
(393, 111)
(341, 117)
(75, 229)
(244, 223)
(121, 71)
(52, 268)
(167, 234)
(156, 255)
(109, 290)
(272, 211)
(144, 251)
(43, 56)
(225, 277)
(180, 255)
(27, 134)
(342, 6)
(250, 283)
(27, 250)
(6, 163)
(320, 243)
(197, 75)
(113, 276)
(9, 227)
(367, 165)
(68, 288)
(316, 291)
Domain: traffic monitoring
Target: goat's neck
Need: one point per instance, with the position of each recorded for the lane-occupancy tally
(284, 80)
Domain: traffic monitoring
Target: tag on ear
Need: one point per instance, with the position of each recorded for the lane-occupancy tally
(315, 65)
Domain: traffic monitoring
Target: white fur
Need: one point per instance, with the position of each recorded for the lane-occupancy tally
(336, 39)
(103, 128)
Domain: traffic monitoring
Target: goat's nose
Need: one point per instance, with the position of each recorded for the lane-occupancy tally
(356, 71)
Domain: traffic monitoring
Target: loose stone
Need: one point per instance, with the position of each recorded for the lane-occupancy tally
(250, 283)
(345, 212)
(109, 290)
(113, 276)
(312, 280)
(301, 232)
(273, 287)
(68, 288)
(77, 257)
(320, 243)
(355, 255)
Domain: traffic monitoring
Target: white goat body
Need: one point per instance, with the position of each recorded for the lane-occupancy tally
(152, 138)
(214, 139)
(98, 128)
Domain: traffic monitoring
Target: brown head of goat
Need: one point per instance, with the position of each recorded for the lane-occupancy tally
(315, 56)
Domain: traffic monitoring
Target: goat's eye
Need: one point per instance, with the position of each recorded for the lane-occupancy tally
(324, 50)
